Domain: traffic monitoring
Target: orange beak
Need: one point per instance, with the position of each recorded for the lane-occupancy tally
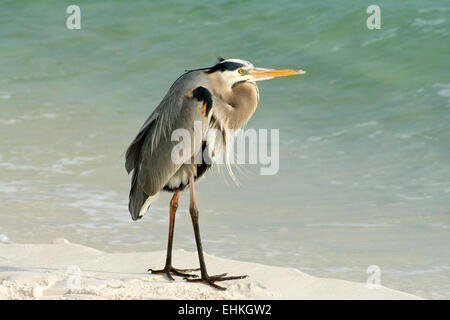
(266, 74)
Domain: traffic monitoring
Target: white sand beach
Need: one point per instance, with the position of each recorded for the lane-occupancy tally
(63, 270)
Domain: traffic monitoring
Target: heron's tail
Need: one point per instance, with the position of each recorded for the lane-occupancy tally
(139, 201)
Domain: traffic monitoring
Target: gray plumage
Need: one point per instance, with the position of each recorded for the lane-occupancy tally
(149, 155)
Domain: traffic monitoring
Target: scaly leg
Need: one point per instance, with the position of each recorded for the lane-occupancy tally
(168, 269)
(205, 278)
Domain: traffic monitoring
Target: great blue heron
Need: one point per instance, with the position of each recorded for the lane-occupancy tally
(220, 97)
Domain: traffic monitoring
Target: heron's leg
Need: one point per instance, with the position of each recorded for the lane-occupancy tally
(168, 269)
(205, 278)
(173, 210)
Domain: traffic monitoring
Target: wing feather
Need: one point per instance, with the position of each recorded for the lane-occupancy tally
(149, 155)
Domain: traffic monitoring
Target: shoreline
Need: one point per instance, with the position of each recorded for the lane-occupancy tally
(64, 270)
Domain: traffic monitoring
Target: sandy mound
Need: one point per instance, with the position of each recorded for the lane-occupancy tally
(69, 271)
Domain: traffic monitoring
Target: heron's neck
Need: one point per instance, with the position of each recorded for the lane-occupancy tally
(243, 98)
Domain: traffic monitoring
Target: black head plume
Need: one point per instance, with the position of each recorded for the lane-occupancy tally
(199, 69)
(220, 66)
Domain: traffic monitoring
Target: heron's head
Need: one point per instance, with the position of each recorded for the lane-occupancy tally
(233, 71)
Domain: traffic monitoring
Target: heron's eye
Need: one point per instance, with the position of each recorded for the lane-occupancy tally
(241, 71)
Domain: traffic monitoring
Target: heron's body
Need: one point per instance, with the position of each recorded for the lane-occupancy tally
(223, 98)
(150, 159)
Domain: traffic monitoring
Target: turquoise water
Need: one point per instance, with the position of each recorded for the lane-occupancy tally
(364, 136)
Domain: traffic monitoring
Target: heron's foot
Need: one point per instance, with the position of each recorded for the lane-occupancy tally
(169, 271)
(212, 279)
